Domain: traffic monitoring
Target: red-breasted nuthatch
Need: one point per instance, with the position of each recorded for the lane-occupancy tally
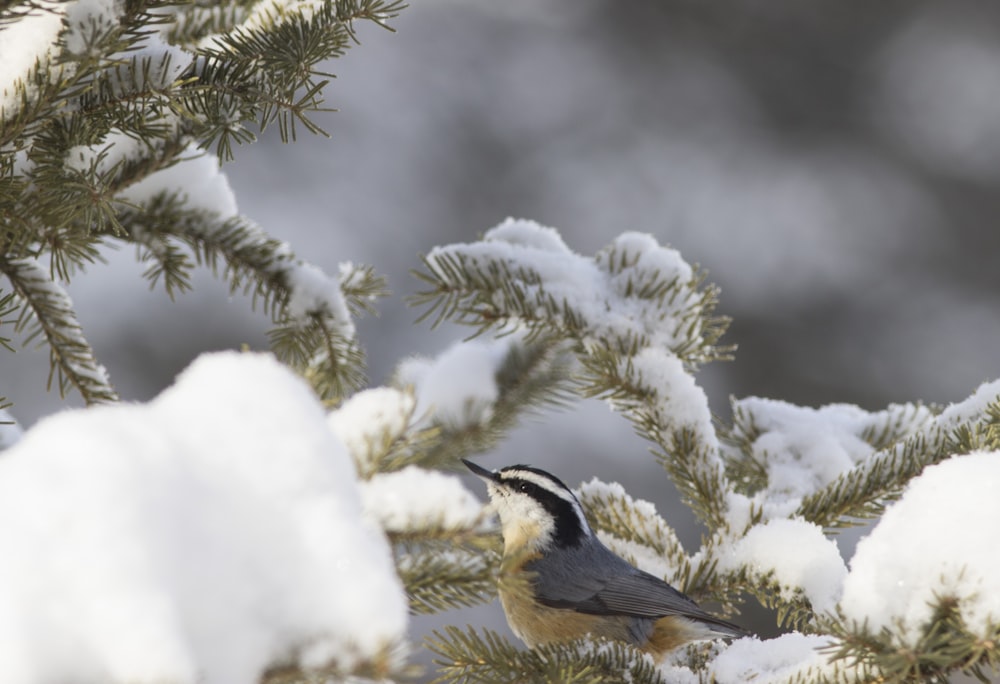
(577, 585)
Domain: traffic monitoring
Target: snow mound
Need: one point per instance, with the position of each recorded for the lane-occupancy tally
(202, 537)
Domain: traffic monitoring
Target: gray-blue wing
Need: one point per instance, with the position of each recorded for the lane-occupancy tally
(626, 591)
(633, 593)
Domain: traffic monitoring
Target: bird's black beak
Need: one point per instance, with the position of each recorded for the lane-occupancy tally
(482, 472)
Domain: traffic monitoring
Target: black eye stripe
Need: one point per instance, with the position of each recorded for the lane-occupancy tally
(568, 531)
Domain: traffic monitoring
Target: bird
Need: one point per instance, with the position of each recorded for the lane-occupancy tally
(575, 585)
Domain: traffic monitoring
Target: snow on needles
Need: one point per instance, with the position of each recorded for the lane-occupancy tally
(972, 408)
(414, 498)
(196, 176)
(635, 297)
(803, 449)
(198, 538)
(930, 545)
(612, 297)
(370, 422)
(795, 554)
(789, 657)
(25, 41)
(458, 388)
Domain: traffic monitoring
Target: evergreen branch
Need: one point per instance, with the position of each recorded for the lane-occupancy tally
(195, 22)
(864, 491)
(497, 282)
(321, 343)
(264, 70)
(252, 262)
(794, 611)
(50, 91)
(441, 575)
(982, 434)
(490, 284)
(682, 449)
(898, 422)
(169, 264)
(531, 375)
(332, 361)
(467, 656)
(701, 483)
(48, 311)
(362, 287)
(944, 646)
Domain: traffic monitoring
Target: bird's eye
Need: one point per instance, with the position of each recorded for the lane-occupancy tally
(523, 486)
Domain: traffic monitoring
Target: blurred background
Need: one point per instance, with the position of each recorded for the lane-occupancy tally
(834, 165)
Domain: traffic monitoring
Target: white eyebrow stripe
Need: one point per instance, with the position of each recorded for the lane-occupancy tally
(540, 480)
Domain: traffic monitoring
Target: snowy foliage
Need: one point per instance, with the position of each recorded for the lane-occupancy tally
(771, 488)
(929, 547)
(107, 110)
(258, 524)
(265, 496)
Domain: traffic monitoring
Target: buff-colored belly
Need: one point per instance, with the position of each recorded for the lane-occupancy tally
(536, 624)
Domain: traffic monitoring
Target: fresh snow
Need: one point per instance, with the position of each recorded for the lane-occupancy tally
(774, 661)
(802, 449)
(35, 38)
(198, 538)
(413, 499)
(934, 542)
(972, 408)
(87, 18)
(371, 421)
(795, 554)
(23, 42)
(313, 291)
(458, 388)
(791, 657)
(682, 403)
(196, 175)
(599, 292)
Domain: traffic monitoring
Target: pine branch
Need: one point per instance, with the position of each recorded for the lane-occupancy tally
(980, 434)
(682, 448)
(264, 69)
(318, 341)
(944, 646)
(196, 22)
(48, 311)
(442, 575)
(863, 492)
(868, 488)
(522, 273)
(533, 374)
(794, 611)
(466, 656)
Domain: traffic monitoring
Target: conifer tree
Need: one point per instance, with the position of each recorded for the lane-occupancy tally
(120, 93)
